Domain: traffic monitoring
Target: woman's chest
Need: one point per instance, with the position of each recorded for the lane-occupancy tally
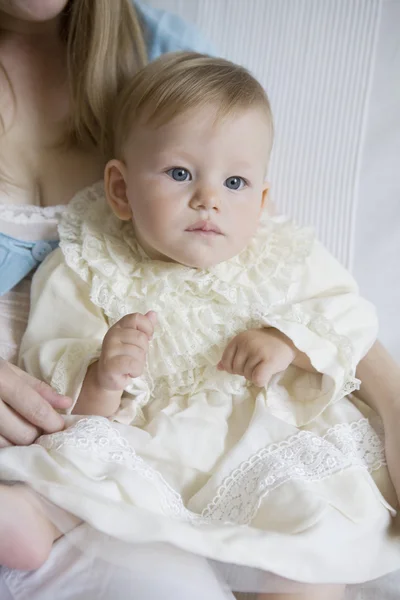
(32, 172)
(34, 167)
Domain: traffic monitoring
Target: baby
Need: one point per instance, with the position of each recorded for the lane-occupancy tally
(215, 348)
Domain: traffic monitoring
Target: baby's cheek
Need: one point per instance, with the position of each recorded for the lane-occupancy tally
(244, 228)
(153, 218)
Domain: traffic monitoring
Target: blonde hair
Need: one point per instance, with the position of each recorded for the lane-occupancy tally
(105, 48)
(180, 81)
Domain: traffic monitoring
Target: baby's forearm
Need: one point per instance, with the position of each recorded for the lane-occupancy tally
(301, 359)
(95, 400)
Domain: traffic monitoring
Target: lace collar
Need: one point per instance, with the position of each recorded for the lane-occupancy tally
(103, 251)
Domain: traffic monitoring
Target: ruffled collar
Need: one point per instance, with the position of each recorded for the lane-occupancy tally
(97, 245)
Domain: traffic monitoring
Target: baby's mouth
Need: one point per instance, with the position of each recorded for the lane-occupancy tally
(205, 228)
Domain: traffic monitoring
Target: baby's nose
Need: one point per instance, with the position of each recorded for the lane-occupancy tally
(206, 198)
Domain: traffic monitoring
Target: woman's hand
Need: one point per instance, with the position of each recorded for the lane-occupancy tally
(258, 354)
(27, 407)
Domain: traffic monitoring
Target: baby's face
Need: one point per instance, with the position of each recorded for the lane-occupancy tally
(196, 187)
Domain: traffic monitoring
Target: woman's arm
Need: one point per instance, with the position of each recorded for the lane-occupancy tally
(380, 389)
(380, 381)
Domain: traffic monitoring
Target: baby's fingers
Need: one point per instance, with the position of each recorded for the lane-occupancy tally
(251, 363)
(130, 364)
(130, 337)
(261, 374)
(226, 362)
(152, 316)
(136, 321)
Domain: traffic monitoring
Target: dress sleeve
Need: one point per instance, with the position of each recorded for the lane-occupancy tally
(65, 329)
(165, 32)
(328, 321)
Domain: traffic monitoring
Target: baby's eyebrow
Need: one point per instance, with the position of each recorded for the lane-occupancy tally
(243, 165)
(174, 153)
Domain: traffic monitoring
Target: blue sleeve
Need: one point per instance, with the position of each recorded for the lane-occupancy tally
(166, 32)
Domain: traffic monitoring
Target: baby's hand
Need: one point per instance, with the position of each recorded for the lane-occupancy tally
(124, 350)
(258, 354)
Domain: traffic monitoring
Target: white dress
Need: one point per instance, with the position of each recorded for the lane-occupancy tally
(290, 479)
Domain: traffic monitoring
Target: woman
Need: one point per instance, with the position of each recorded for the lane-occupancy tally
(61, 62)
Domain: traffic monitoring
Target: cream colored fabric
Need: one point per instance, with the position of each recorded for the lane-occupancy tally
(290, 479)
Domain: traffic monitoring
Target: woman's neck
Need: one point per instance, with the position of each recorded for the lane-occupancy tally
(47, 31)
(37, 45)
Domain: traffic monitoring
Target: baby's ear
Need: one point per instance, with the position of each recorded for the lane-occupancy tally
(264, 195)
(115, 188)
(265, 191)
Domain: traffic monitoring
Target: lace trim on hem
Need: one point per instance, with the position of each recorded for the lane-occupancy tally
(304, 456)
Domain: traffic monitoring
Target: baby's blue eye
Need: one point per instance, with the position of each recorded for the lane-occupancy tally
(235, 183)
(179, 174)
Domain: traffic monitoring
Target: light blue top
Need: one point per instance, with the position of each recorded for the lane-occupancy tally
(164, 32)
(18, 258)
